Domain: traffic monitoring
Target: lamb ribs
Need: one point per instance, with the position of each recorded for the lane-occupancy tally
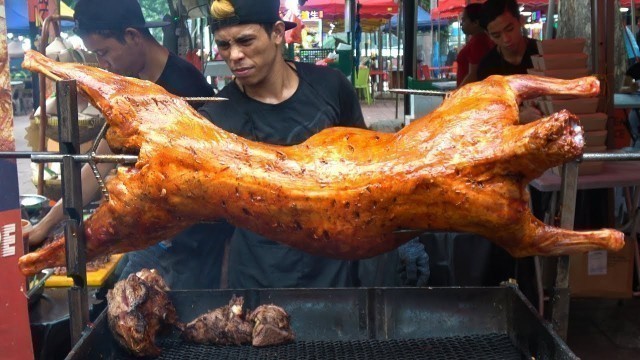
(344, 191)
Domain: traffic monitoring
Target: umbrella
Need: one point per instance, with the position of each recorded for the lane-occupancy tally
(424, 21)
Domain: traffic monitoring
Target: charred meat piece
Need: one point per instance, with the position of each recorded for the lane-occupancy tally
(271, 326)
(222, 326)
(343, 192)
(139, 308)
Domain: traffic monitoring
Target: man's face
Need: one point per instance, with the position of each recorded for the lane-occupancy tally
(505, 31)
(248, 51)
(124, 59)
(467, 25)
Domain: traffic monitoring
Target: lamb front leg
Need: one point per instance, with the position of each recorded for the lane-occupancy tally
(529, 87)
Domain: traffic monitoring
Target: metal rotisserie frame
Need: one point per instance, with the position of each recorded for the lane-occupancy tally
(366, 323)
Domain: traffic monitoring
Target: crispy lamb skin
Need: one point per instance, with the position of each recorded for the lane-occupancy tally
(222, 326)
(271, 326)
(138, 310)
(344, 192)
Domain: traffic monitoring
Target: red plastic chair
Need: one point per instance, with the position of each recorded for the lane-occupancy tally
(425, 72)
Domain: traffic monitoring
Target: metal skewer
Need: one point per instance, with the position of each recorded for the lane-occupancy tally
(204, 99)
(420, 92)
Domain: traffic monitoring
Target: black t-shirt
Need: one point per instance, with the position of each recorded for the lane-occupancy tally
(494, 64)
(181, 78)
(324, 98)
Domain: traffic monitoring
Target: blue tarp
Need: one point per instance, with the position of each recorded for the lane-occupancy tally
(424, 21)
(17, 16)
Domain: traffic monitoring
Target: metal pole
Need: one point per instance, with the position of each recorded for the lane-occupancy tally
(72, 194)
(560, 296)
(409, 62)
(397, 70)
(380, 61)
(551, 11)
(634, 28)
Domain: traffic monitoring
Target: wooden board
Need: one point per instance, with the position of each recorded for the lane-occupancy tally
(94, 278)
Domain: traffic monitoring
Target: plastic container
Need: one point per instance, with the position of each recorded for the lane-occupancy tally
(595, 138)
(560, 61)
(561, 46)
(593, 122)
(566, 74)
(576, 106)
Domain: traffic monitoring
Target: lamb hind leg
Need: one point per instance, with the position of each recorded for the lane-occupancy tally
(548, 240)
(528, 87)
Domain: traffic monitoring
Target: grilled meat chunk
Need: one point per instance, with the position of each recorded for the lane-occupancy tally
(270, 326)
(138, 309)
(222, 326)
(344, 192)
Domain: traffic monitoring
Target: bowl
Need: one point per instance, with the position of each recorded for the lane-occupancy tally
(33, 203)
(561, 46)
(575, 106)
(593, 122)
(561, 61)
(566, 74)
(595, 138)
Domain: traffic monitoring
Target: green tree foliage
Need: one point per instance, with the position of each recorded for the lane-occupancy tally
(154, 10)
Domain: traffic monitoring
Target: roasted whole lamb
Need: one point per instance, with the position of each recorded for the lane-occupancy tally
(344, 192)
(138, 309)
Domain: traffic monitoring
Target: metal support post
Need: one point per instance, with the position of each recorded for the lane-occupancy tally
(72, 194)
(409, 64)
(560, 296)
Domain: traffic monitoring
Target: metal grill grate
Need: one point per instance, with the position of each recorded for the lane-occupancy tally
(488, 346)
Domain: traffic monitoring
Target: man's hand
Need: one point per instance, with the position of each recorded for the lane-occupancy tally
(414, 263)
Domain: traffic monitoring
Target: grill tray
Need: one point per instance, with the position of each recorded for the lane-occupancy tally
(361, 323)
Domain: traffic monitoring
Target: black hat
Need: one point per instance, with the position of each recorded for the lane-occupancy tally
(92, 15)
(253, 12)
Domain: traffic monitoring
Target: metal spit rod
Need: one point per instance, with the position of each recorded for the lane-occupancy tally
(45, 157)
(420, 92)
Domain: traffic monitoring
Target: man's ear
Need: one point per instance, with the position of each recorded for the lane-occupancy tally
(278, 32)
(132, 35)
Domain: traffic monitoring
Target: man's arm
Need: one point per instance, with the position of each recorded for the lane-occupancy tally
(89, 191)
(472, 75)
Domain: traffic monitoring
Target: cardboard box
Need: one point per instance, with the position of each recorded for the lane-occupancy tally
(603, 274)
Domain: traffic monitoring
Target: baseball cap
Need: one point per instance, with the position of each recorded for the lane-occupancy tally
(92, 15)
(252, 12)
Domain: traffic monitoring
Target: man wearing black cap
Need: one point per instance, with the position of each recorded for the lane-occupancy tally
(278, 102)
(117, 33)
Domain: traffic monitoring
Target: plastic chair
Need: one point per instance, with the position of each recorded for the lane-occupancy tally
(425, 72)
(362, 84)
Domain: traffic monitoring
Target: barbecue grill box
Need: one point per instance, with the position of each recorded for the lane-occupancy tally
(365, 323)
